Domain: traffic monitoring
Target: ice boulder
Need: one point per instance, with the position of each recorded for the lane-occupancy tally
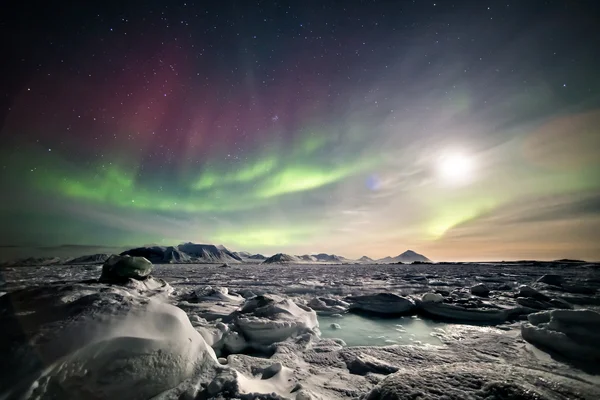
(327, 305)
(268, 319)
(382, 303)
(551, 279)
(528, 291)
(432, 298)
(450, 312)
(480, 290)
(574, 334)
(121, 268)
(210, 293)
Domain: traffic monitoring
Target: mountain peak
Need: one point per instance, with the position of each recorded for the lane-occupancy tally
(408, 256)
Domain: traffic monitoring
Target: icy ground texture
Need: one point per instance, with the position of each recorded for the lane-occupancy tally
(250, 331)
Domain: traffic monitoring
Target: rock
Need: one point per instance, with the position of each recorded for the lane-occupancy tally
(120, 268)
(550, 279)
(432, 298)
(480, 290)
(363, 364)
(383, 303)
(335, 326)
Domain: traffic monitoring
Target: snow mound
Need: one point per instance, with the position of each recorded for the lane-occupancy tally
(269, 319)
(106, 345)
(382, 303)
(574, 334)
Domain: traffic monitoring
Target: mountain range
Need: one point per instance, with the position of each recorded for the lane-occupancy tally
(193, 253)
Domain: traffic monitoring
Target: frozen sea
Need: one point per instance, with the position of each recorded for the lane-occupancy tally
(201, 331)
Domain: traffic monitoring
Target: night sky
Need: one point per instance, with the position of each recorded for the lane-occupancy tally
(459, 129)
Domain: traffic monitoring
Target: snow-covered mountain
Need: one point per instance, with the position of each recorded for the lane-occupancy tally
(407, 257)
(282, 258)
(330, 258)
(90, 259)
(365, 259)
(160, 254)
(34, 261)
(308, 258)
(209, 253)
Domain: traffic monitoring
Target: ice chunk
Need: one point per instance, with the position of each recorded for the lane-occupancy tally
(573, 334)
(383, 303)
(432, 298)
(270, 319)
(480, 290)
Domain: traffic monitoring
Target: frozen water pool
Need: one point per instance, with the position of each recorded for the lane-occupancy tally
(357, 330)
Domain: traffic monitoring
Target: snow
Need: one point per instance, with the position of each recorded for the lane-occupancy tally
(159, 254)
(265, 320)
(209, 293)
(109, 344)
(574, 334)
(261, 321)
(432, 298)
(208, 253)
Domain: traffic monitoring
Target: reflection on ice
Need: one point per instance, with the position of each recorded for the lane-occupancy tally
(357, 330)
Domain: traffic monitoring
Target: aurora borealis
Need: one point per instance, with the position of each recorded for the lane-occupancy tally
(304, 127)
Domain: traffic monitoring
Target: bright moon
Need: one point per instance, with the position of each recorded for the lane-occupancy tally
(455, 167)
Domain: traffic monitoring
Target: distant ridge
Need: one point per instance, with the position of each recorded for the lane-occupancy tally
(193, 253)
(282, 258)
